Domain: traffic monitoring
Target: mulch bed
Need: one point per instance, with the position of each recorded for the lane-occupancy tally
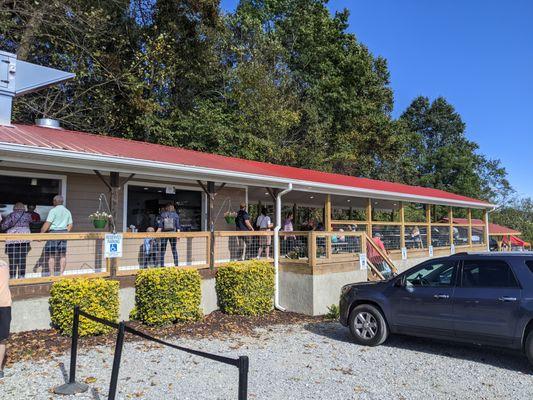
(43, 344)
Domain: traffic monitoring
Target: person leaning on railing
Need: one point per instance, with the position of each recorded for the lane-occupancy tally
(5, 313)
(17, 222)
(59, 220)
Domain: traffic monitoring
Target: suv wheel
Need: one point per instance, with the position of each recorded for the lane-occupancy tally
(528, 348)
(368, 326)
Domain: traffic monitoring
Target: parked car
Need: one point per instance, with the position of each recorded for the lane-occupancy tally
(479, 298)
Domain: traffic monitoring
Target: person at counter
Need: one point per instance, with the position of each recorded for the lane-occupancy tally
(59, 220)
(17, 250)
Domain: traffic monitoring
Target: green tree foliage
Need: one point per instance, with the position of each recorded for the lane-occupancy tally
(445, 158)
(518, 215)
(277, 80)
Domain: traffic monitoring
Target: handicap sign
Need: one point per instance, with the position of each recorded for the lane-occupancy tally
(362, 261)
(452, 249)
(113, 245)
(404, 253)
(430, 248)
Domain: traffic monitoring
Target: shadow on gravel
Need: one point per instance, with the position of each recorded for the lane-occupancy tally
(501, 358)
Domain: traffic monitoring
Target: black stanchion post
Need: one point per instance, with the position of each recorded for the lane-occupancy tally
(74, 345)
(116, 362)
(244, 364)
(73, 387)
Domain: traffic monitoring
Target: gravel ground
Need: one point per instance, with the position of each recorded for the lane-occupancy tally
(302, 361)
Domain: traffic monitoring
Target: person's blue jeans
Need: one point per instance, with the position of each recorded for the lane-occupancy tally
(163, 249)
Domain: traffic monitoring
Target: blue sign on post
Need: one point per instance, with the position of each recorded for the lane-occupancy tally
(113, 245)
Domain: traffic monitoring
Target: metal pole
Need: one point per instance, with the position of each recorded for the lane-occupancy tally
(116, 362)
(72, 387)
(74, 345)
(244, 364)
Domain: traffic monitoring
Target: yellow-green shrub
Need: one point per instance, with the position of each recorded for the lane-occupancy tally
(245, 288)
(98, 297)
(167, 295)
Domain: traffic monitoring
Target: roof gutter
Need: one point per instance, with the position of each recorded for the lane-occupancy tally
(130, 164)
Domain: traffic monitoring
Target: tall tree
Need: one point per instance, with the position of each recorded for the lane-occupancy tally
(445, 158)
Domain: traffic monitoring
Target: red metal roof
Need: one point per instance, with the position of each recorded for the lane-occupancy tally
(494, 229)
(62, 139)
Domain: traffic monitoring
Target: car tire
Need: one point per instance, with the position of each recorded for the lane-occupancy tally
(368, 326)
(528, 347)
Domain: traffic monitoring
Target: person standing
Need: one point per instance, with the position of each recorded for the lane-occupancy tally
(5, 313)
(169, 221)
(35, 217)
(288, 226)
(17, 250)
(242, 223)
(264, 223)
(59, 220)
(375, 257)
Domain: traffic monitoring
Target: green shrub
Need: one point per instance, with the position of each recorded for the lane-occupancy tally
(334, 312)
(167, 295)
(98, 297)
(245, 288)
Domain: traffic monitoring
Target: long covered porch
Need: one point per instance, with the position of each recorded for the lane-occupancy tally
(338, 225)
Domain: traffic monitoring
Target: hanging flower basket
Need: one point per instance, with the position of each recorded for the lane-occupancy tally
(100, 219)
(230, 216)
(99, 223)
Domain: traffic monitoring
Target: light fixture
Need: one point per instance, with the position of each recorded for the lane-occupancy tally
(33, 182)
(145, 188)
(311, 197)
(266, 193)
(348, 200)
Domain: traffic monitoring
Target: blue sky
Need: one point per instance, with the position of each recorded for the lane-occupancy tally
(478, 54)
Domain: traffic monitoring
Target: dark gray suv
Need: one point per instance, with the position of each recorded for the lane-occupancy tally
(481, 298)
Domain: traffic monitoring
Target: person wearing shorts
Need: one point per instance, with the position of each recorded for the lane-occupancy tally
(59, 220)
(5, 313)
(264, 224)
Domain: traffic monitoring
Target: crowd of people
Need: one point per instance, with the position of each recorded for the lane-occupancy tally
(22, 220)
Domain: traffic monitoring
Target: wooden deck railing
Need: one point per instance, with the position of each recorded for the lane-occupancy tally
(84, 252)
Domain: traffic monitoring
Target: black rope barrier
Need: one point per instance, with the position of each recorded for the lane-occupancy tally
(73, 387)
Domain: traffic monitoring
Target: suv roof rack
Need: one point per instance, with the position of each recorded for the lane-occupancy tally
(493, 253)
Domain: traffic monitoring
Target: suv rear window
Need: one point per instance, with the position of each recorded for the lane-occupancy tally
(487, 273)
(530, 265)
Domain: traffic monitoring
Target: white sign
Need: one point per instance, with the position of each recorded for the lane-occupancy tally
(113, 245)
(452, 249)
(362, 261)
(430, 248)
(404, 253)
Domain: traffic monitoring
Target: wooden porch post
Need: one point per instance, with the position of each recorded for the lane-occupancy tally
(369, 217)
(450, 220)
(486, 236)
(469, 214)
(428, 221)
(327, 224)
(211, 192)
(114, 186)
(402, 225)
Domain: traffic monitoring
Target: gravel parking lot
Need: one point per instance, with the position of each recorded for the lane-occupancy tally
(303, 361)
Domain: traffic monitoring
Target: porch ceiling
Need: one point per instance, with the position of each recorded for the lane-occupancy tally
(317, 200)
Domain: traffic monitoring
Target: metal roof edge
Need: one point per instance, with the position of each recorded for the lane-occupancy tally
(305, 185)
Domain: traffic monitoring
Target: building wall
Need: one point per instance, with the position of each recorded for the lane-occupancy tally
(83, 191)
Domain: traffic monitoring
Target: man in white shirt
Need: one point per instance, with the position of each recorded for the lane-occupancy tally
(264, 223)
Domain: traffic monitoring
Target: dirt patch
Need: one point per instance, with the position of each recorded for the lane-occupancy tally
(43, 344)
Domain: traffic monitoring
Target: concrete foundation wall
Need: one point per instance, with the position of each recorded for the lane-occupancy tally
(296, 292)
(327, 288)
